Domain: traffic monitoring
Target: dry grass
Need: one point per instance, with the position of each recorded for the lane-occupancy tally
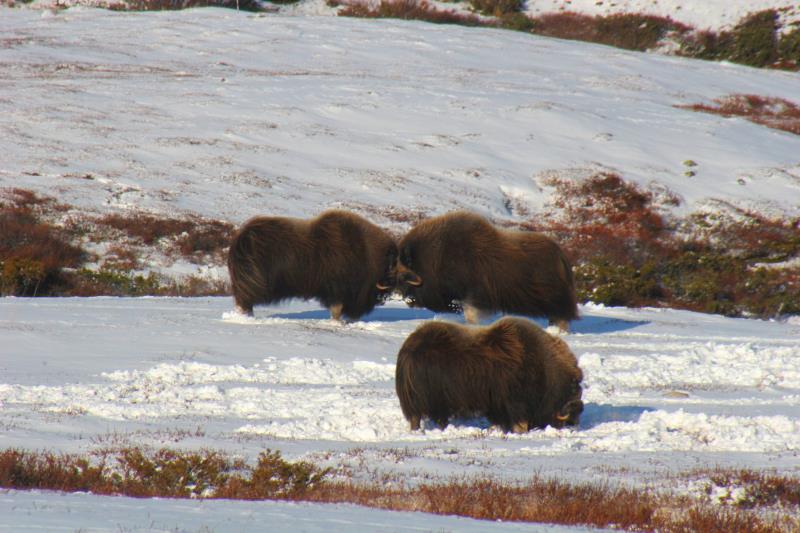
(777, 113)
(410, 10)
(210, 474)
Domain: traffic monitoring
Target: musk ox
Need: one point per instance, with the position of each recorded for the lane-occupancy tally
(338, 258)
(513, 372)
(460, 260)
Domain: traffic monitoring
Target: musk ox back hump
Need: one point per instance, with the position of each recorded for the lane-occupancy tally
(508, 372)
(462, 258)
(337, 258)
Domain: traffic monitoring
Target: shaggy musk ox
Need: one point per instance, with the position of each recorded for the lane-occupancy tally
(460, 259)
(513, 372)
(339, 258)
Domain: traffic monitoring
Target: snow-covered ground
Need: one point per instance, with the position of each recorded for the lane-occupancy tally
(229, 114)
(667, 392)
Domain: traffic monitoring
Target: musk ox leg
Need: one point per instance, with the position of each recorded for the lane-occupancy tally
(243, 308)
(473, 315)
(243, 311)
(520, 427)
(414, 422)
(562, 324)
(336, 311)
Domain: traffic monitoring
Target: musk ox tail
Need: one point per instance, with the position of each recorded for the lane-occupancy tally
(263, 260)
(246, 278)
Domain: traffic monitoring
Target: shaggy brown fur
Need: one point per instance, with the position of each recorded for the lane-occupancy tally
(460, 259)
(339, 258)
(512, 372)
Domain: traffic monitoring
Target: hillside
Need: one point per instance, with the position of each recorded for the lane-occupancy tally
(132, 144)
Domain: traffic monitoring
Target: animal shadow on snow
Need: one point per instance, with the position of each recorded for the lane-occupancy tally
(379, 314)
(595, 414)
(585, 324)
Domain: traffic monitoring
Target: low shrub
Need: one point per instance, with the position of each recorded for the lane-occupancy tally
(773, 112)
(210, 474)
(755, 40)
(33, 253)
(789, 50)
(627, 252)
(193, 238)
(497, 8)
(757, 489)
(172, 5)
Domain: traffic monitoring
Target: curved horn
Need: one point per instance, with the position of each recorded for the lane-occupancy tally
(562, 418)
(382, 287)
(415, 282)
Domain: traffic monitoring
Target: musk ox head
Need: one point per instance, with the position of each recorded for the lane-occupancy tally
(461, 260)
(512, 372)
(338, 258)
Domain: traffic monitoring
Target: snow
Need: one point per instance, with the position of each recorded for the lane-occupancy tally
(228, 115)
(666, 392)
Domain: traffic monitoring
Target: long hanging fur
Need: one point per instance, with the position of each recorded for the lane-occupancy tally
(461, 259)
(512, 372)
(338, 258)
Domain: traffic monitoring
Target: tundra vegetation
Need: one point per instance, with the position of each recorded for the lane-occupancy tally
(758, 40)
(767, 502)
(626, 250)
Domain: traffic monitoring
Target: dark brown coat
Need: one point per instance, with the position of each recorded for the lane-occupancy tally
(338, 258)
(461, 260)
(513, 372)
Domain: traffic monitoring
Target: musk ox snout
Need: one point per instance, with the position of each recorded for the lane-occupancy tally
(338, 258)
(512, 372)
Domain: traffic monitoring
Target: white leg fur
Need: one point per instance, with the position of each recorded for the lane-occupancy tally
(336, 311)
(473, 315)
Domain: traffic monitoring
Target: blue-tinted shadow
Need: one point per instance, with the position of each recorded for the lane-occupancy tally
(586, 324)
(379, 314)
(596, 414)
(603, 324)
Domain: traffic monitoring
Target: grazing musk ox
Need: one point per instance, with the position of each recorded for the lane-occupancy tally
(338, 258)
(460, 259)
(513, 372)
